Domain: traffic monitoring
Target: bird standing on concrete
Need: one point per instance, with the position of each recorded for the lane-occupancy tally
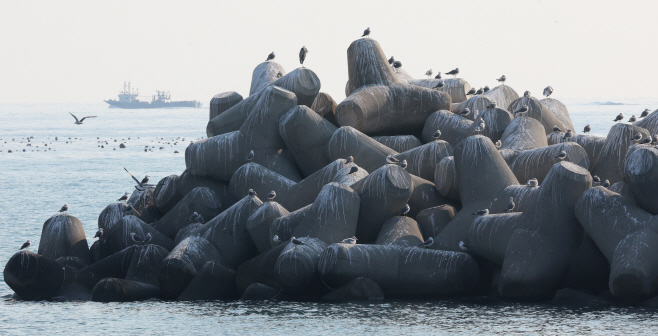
(353, 170)
(99, 233)
(561, 156)
(146, 179)
(556, 129)
(465, 111)
(302, 55)
(147, 239)
(479, 91)
(463, 247)
(523, 109)
(439, 85)
(532, 182)
(390, 159)
(271, 196)
(428, 73)
(64, 208)
(136, 180)
(397, 64)
(79, 122)
(270, 56)
(279, 74)
(510, 205)
(481, 212)
(498, 144)
(123, 198)
(428, 242)
(366, 32)
(403, 164)
(526, 94)
(453, 72)
(26, 245)
(502, 79)
(486, 89)
(647, 141)
(350, 241)
(391, 60)
(637, 137)
(492, 105)
(632, 119)
(276, 240)
(596, 179)
(436, 135)
(250, 155)
(567, 135)
(606, 184)
(296, 241)
(548, 91)
(479, 127)
(136, 238)
(619, 117)
(644, 113)
(193, 217)
(349, 159)
(470, 92)
(587, 129)
(438, 76)
(252, 193)
(404, 210)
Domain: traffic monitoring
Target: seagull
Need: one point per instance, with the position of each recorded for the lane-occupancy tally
(134, 178)
(404, 210)
(532, 182)
(567, 135)
(479, 92)
(252, 193)
(276, 239)
(147, 239)
(438, 76)
(561, 156)
(619, 117)
(526, 94)
(481, 212)
(502, 79)
(250, 156)
(136, 238)
(64, 208)
(606, 184)
(403, 164)
(397, 64)
(200, 219)
(428, 73)
(193, 217)
(637, 137)
(79, 122)
(510, 205)
(350, 241)
(99, 233)
(465, 111)
(146, 179)
(548, 91)
(439, 85)
(587, 129)
(129, 208)
(390, 159)
(644, 113)
(353, 170)
(632, 119)
(296, 241)
(471, 91)
(302, 55)
(556, 129)
(26, 245)
(366, 32)
(523, 109)
(479, 127)
(271, 196)
(279, 74)
(349, 159)
(436, 135)
(453, 72)
(391, 60)
(498, 144)
(486, 89)
(123, 198)
(492, 105)
(647, 141)
(270, 56)
(428, 242)
(463, 246)
(596, 179)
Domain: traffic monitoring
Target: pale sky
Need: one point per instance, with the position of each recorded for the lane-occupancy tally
(83, 51)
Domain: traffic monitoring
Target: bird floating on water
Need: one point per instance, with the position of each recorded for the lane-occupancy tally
(350, 241)
(124, 197)
(548, 91)
(271, 195)
(26, 245)
(397, 64)
(302, 55)
(587, 129)
(502, 79)
(64, 208)
(510, 205)
(532, 182)
(481, 212)
(405, 210)
(428, 242)
(619, 117)
(79, 122)
(270, 56)
(250, 155)
(644, 113)
(453, 72)
(428, 73)
(463, 247)
(366, 32)
(632, 119)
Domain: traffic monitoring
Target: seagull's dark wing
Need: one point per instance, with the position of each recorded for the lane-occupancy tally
(76, 118)
(83, 119)
(134, 178)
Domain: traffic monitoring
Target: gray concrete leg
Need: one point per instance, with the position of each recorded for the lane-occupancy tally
(400, 230)
(367, 153)
(641, 171)
(260, 221)
(201, 200)
(222, 102)
(398, 143)
(610, 164)
(63, 235)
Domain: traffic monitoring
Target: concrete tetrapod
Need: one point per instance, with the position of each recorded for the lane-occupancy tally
(378, 101)
(537, 111)
(536, 163)
(523, 133)
(424, 195)
(400, 271)
(431, 221)
(400, 230)
(228, 232)
(503, 95)
(634, 267)
(265, 74)
(215, 281)
(120, 290)
(220, 156)
(260, 221)
(63, 235)
(591, 143)
(35, 277)
(367, 152)
(325, 106)
(165, 194)
(399, 143)
(187, 182)
(302, 82)
(306, 135)
(453, 127)
(222, 102)
(259, 179)
(284, 226)
(641, 172)
(559, 111)
(474, 103)
(296, 268)
(383, 194)
(423, 159)
(650, 123)
(201, 200)
(445, 178)
(483, 176)
(143, 201)
(112, 214)
(610, 164)
(359, 289)
(119, 237)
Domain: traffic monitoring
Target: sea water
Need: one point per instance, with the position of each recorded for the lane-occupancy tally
(75, 170)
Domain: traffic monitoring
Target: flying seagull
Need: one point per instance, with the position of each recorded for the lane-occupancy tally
(366, 32)
(270, 56)
(548, 91)
(79, 122)
(26, 245)
(302, 55)
(481, 212)
(453, 72)
(428, 242)
(296, 241)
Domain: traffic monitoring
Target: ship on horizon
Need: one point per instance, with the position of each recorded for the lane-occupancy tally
(128, 99)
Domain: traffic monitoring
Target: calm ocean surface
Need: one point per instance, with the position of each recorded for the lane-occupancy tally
(36, 183)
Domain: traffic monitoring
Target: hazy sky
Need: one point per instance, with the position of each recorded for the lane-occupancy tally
(83, 51)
